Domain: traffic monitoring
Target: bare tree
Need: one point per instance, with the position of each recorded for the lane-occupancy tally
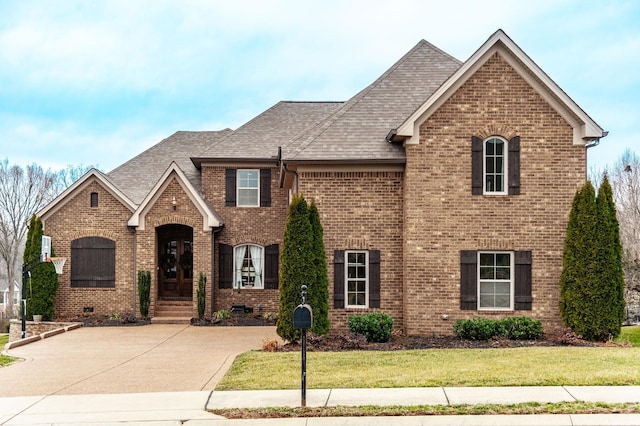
(22, 193)
(625, 180)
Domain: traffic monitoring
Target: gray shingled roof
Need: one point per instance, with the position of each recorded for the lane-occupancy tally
(307, 131)
(137, 176)
(357, 131)
(261, 137)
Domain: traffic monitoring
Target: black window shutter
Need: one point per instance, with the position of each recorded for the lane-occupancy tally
(468, 280)
(476, 166)
(265, 187)
(230, 187)
(514, 166)
(374, 278)
(225, 266)
(338, 279)
(523, 297)
(271, 258)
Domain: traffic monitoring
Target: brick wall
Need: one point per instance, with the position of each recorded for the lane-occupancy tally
(442, 217)
(245, 225)
(161, 213)
(361, 210)
(76, 219)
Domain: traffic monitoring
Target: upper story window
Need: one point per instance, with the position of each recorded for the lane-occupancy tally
(249, 263)
(495, 165)
(248, 187)
(94, 199)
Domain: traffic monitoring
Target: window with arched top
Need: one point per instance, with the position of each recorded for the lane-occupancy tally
(495, 166)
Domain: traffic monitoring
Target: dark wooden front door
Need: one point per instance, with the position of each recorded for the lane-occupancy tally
(175, 262)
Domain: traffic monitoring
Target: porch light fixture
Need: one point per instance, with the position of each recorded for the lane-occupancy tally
(174, 202)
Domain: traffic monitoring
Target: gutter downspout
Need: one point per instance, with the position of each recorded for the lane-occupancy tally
(214, 231)
(135, 268)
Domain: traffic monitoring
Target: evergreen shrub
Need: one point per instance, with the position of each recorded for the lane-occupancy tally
(375, 327)
(513, 328)
(144, 292)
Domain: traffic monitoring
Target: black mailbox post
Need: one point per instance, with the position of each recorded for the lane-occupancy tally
(303, 320)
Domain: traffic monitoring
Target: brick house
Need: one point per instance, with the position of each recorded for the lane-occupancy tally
(444, 189)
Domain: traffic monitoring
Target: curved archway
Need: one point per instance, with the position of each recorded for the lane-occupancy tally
(175, 262)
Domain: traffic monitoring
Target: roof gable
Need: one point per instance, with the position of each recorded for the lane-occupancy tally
(137, 176)
(86, 179)
(210, 219)
(358, 129)
(584, 128)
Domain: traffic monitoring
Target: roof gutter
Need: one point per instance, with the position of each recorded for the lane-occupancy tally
(287, 170)
(596, 141)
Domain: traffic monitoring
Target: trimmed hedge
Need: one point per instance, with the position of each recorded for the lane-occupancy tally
(375, 327)
(513, 328)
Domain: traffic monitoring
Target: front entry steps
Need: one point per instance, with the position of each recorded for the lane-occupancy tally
(173, 312)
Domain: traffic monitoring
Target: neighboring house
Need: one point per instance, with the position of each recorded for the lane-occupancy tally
(444, 190)
(4, 298)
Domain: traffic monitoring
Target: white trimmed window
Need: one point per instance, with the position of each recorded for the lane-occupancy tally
(495, 280)
(357, 278)
(249, 261)
(248, 187)
(495, 166)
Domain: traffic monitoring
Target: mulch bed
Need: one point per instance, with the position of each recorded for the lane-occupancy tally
(349, 341)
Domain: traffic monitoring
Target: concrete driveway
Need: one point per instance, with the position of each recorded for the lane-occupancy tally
(152, 358)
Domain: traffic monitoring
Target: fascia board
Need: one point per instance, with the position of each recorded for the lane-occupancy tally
(64, 196)
(584, 127)
(137, 220)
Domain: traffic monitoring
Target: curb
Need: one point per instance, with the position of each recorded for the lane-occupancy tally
(45, 335)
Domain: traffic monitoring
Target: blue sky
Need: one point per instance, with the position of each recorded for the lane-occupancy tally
(97, 82)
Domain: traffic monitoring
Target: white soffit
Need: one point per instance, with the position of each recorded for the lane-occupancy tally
(173, 172)
(584, 128)
(66, 195)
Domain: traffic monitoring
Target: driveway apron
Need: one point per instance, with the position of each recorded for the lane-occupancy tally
(152, 358)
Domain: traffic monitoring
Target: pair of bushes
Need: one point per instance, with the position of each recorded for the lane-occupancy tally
(513, 328)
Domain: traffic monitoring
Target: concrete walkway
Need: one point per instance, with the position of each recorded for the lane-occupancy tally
(176, 408)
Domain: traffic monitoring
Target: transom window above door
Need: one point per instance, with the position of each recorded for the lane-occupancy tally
(248, 188)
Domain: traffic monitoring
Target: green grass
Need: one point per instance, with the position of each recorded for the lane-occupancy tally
(4, 360)
(535, 366)
(630, 334)
(577, 407)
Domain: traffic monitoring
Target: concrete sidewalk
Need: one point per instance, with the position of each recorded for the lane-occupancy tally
(176, 408)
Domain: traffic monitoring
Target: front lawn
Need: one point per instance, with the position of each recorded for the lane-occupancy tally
(4, 360)
(534, 366)
(630, 334)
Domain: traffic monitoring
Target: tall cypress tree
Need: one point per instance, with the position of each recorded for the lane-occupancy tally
(579, 262)
(610, 292)
(43, 285)
(319, 289)
(296, 266)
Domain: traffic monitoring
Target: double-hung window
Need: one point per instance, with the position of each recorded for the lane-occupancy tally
(249, 261)
(357, 278)
(248, 187)
(495, 280)
(495, 165)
